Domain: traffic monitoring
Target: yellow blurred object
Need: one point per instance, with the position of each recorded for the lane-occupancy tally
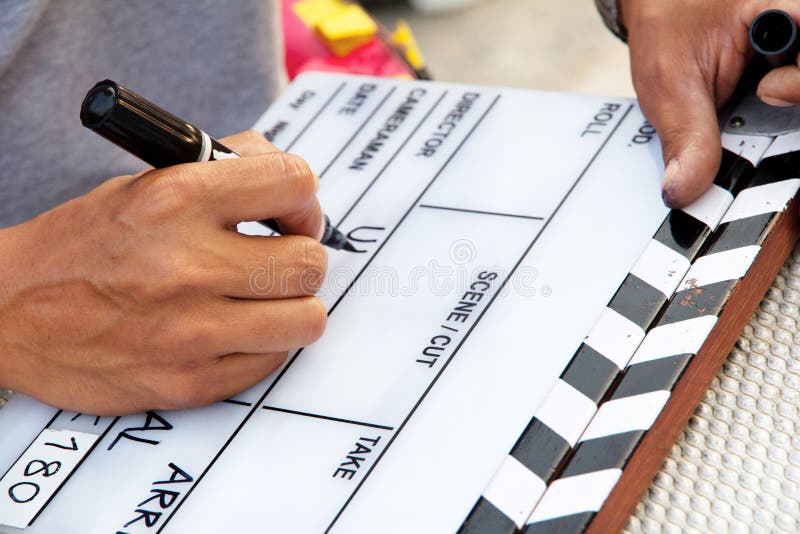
(342, 26)
(313, 12)
(346, 30)
(404, 38)
(343, 47)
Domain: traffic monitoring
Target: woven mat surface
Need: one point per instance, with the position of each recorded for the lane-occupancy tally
(736, 465)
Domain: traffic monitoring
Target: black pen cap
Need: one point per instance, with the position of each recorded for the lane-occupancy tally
(139, 126)
(774, 35)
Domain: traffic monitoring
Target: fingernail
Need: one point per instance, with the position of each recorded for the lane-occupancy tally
(777, 102)
(670, 177)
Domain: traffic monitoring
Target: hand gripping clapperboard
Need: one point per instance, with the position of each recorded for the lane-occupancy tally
(523, 334)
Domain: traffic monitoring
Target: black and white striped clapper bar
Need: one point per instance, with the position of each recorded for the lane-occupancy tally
(572, 453)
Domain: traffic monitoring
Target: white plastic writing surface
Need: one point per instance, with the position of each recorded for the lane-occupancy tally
(495, 226)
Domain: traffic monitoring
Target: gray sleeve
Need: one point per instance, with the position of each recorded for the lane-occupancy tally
(609, 10)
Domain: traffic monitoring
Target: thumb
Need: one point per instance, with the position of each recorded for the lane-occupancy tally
(685, 117)
(781, 87)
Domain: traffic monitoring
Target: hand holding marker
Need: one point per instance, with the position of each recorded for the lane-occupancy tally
(162, 139)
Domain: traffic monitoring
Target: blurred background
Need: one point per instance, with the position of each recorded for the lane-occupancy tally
(538, 44)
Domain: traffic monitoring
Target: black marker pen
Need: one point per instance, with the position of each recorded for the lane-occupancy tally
(162, 139)
(774, 35)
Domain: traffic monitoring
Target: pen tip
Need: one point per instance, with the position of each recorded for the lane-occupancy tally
(348, 247)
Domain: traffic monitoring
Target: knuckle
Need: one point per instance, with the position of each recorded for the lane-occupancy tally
(181, 184)
(671, 135)
(312, 262)
(164, 193)
(256, 141)
(168, 274)
(114, 185)
(270, 362)
(185, 389)
(185, 338)
(181, 337)
(142, 290)
(670, 143)
(315, 318)
(677, 139)
(252, 137)
(297, 175)
(277, 360)
(657, 72)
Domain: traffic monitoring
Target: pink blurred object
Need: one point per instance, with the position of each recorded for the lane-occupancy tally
(306, 52)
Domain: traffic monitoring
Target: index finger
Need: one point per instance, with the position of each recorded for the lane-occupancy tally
(273, 185)
(252, 143)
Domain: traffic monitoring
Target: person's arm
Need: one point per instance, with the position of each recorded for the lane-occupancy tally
(141, 295)
(686, 59)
